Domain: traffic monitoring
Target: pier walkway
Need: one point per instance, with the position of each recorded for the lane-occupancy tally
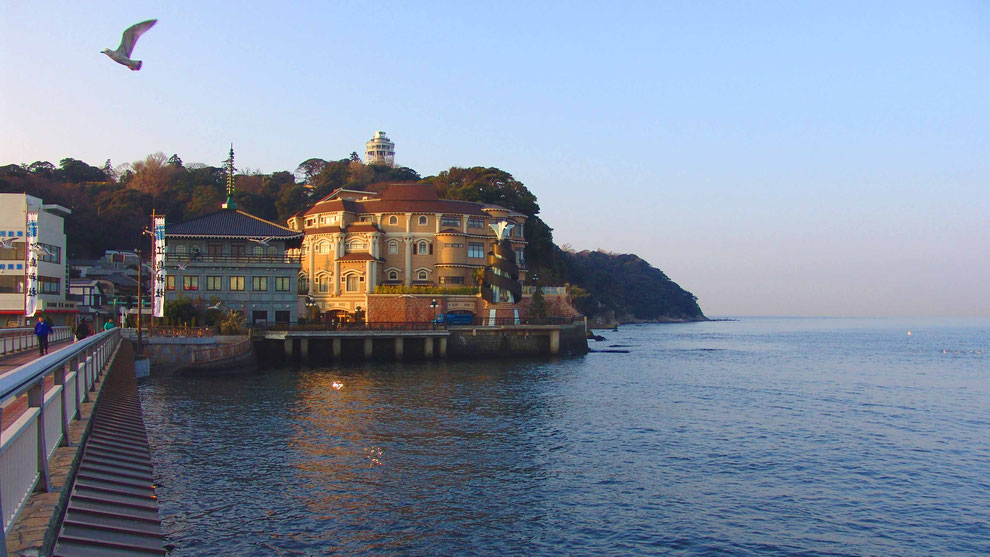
(75, 473)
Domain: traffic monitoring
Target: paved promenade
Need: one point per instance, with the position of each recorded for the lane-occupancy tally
(13, 409)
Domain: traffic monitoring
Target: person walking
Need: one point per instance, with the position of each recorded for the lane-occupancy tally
(108, 325)
(42, 329)
(82, 330)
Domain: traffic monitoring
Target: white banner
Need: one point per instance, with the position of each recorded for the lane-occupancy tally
(158, 302)
(31, 260)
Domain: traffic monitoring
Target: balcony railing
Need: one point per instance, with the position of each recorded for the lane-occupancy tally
(23, 338)
(175, 259)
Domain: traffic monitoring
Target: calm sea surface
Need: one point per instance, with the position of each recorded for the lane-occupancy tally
(763, 435)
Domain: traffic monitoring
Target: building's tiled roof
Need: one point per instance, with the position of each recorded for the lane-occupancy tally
(327, 205)
(357, 257)
(363, 227)
(402, 198)
(323, 230)
(450, 231)
(227, 223)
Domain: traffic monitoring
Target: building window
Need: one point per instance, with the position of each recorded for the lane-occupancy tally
(324, 284)
(214, 250)
(450, 221)
(169, 282)
(517, 230)
(476, 249)
(214, 283)
(422, 247)
(422, 221)
(49, 285)
(476, 222)
(392, 275)
(303, 283)
(393, 247)
(451, 280)
(393, 219)
(310, 223)
(282, 284)
(236, 283)
(352, 283)
(259, 283)
(237, 250)
(454, 245)
(520, 257)
(365, 219)
(422, 276)
(281, 316)
(190, 282)
(356, 245)
(323, 248)
(49, 253)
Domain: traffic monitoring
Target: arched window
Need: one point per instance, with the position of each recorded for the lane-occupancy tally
(422, 221)
(421, 275)
(393, 275)
(393, 219)
(393, 247)
(259, 250)
(422, 247)
(303, 283)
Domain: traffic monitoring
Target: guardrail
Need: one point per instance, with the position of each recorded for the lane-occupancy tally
(178, 331)
(23, 338)
(476, 321)
(220, 352)
(29, 442)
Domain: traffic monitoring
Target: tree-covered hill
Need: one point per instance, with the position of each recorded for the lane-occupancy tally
(111, 205)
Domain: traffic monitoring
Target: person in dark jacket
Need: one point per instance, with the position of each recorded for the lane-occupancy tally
(42, 329)
(82, 330)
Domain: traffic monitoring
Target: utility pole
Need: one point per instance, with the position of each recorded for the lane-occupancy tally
(139, 347)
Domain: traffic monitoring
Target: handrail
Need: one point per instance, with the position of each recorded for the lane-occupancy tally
(21, 338)
(29, 442)
(220, 351)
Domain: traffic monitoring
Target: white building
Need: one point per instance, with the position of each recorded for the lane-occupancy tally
(53, 270)
(380, 150)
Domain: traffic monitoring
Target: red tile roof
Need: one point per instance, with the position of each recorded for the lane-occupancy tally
(357, 257)
(363, 227)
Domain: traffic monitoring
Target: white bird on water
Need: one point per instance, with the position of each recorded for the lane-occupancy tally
(123, 53)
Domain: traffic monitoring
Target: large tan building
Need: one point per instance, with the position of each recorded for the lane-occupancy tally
(396, 234)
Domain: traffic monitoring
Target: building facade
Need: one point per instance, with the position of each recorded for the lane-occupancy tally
(236, 260)
(53, 275)
(395, 235)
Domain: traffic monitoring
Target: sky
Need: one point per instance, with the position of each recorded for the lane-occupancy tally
(773, 158)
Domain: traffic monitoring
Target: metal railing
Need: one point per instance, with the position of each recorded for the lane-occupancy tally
(220, 352)
(476, 321)
(23, 338)
(196, 332)
(54, 387)
(246, 258)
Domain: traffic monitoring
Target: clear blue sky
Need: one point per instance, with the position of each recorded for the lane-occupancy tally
(785, 158)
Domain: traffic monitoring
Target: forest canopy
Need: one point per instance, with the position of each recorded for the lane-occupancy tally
(618, 287)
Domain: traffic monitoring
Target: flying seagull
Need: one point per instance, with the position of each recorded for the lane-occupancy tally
(123, 53)
(263, 241)
(6, 242)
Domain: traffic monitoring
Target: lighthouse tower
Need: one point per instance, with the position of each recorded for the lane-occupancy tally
(380, 150)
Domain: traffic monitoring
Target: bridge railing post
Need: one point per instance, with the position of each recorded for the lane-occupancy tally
(36, 399)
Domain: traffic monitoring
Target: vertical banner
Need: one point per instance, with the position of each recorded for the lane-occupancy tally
(31, 260)
(158, 302)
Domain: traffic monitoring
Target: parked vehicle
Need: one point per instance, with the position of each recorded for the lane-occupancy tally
(454, 319)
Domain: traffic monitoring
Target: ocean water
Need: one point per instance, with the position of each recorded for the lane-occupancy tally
(755, 436)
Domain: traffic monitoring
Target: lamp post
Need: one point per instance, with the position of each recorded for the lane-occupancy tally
(433, 306)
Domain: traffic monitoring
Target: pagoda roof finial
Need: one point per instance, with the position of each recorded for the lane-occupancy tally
(230, 203)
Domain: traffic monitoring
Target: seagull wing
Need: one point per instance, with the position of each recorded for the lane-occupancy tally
(131, 36)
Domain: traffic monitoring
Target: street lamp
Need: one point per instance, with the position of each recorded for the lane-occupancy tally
(433, 306)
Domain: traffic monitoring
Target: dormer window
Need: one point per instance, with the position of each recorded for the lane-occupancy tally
(393, 275)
